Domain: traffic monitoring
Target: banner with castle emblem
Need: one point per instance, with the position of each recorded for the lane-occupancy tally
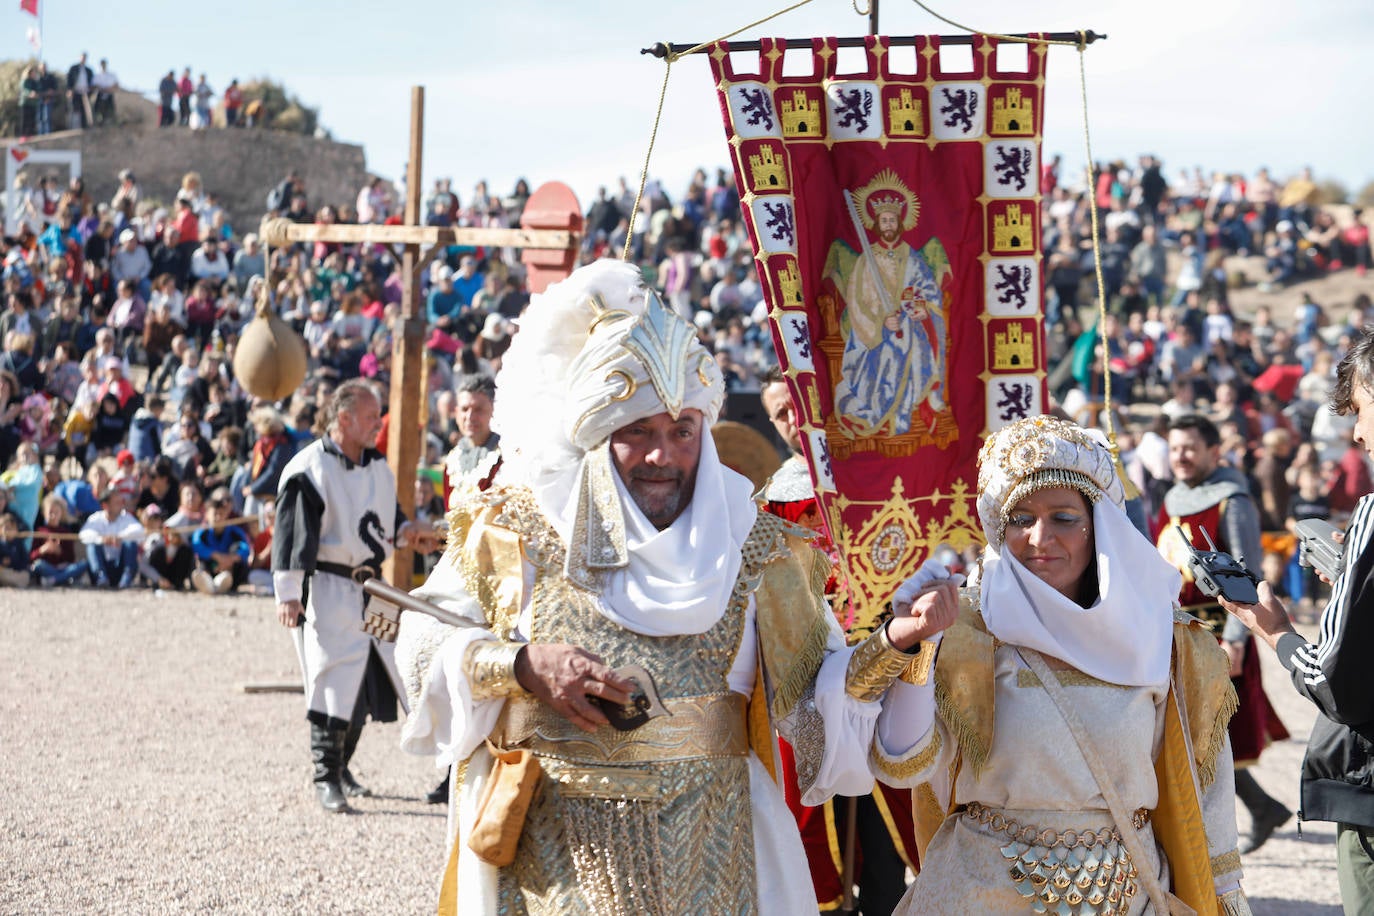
(894, 214)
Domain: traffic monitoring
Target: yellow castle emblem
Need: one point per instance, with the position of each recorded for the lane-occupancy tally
(767, 170)
(1013, 114)
(1012, 349)
(789, 281)
(1012, 231)
(905, 116)
(801, 115)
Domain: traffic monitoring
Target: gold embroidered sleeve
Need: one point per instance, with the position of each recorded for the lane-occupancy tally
(1226, 863)
(899, 771)
(873, 667)
(490, 667)
(922, 663)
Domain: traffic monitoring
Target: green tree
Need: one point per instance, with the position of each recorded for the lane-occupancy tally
(1366, 196)
(1331, 191)
(281, 109)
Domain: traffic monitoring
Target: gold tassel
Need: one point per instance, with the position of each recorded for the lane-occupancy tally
(1207, 761)
(965, 732)
(788, 690)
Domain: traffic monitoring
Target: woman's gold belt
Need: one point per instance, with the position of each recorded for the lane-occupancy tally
(1069, 872)
(696, 728)
(1029, 833)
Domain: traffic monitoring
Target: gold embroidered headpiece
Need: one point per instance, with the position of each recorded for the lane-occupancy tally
(1040, 453)
(634, 366)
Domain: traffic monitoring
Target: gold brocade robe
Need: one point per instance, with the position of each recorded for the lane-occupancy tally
(580, 855)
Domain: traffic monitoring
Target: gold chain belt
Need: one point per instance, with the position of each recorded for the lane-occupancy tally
(1069, 872)
(697, 727)
(1029, 833)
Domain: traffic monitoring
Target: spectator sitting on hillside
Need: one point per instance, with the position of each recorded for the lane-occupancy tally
(208, 261)
(127, 192)
(170, 562)
(127, 313)
(226, 462)
(111, 537)
(271, 451)
(249, 262)
(160, 489)
(53, 560)
(131, 261)
(14, 555)
(222, 551)
(187, 448)
(1281, 255)
(128, 479)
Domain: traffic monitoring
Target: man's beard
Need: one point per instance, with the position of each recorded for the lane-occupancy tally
(659, 504)
(1195, 476)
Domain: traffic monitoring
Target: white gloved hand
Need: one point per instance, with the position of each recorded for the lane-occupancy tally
(930, 571)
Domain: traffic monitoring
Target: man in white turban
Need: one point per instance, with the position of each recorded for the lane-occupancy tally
(615, 537)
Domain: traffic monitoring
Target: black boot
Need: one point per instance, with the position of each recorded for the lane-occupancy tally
(1267, 813)
(352, 788)
(326, 749)
(440, 794)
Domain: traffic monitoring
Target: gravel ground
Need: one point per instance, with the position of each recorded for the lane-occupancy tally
(139, 778)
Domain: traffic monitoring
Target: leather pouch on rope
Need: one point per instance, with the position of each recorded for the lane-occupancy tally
(505, 802)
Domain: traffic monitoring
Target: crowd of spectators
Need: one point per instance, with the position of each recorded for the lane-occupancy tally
(86, 98)
(134, 456)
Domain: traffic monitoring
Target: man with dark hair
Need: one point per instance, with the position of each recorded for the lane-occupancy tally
(80, 82)
(1333, 672)
(1208, 496)
(337, 513)
(111, 538)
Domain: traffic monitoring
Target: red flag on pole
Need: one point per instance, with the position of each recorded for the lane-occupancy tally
(894, 215)
(29, 6)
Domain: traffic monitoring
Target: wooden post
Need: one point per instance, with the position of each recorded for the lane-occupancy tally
(405, 438)
(549, 234)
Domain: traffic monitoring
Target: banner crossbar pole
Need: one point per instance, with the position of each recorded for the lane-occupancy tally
(661, 50)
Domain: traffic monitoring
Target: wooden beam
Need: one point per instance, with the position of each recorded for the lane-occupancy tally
(281, 232)
(405, 435)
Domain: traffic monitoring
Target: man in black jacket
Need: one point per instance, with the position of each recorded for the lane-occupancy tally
(1334, 672)
(80, 82)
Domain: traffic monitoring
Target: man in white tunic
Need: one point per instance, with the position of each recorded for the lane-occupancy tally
(615, 537)
(337, 513)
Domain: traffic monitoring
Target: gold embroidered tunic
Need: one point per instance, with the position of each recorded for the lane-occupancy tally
(665, 819)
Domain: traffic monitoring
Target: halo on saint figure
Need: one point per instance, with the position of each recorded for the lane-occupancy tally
(887, 193)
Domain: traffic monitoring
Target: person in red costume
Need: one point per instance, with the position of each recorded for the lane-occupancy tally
(1217, 498)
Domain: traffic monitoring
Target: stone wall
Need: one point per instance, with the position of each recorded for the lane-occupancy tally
(240, 165)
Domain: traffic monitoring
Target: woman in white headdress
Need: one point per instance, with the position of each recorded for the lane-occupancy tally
(1069, 752)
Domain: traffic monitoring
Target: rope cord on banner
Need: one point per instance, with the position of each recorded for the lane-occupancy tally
(668, 60)
(1081, 44)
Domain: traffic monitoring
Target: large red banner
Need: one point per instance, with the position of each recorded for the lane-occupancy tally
(894, 214)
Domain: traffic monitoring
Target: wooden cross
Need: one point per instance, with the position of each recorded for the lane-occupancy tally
(549, 234)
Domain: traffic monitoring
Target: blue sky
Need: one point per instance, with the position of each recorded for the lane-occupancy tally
(559, 90)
